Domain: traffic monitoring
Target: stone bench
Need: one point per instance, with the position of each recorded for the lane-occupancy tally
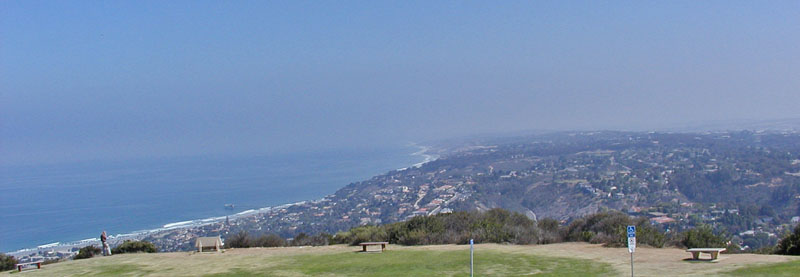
(365, 244)
(713, 251)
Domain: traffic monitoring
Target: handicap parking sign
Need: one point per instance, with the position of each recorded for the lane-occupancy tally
(631, 231)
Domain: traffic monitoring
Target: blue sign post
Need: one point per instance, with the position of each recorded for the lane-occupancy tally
(631, 243)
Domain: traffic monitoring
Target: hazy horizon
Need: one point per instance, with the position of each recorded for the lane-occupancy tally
(100, 80)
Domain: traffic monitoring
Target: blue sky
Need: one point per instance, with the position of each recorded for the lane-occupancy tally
(83, 80)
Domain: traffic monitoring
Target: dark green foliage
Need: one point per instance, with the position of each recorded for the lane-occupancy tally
(759, 240)
(502, 226)
(7, 262)
(703, 236)
(135, 246)
(88, 252)
(648, 234)
(550, 230)
(361, 234)
(271, 240)
(790, 245)
(303, 239)
(238, 240)
(244, 240)
(497, 225)
(609, 228)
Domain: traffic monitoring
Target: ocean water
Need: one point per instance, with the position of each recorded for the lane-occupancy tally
(69, 202)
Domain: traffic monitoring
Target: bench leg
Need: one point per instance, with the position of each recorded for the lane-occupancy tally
(19, 268)
(696, 255)
(714, 255)
(38, 265)
(364, 248)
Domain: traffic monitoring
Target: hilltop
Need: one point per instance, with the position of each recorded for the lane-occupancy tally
(436, 260)
(744, 183)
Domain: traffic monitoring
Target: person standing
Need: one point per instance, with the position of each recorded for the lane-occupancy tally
(106, 248)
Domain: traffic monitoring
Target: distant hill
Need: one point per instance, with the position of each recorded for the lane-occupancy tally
(741, 182)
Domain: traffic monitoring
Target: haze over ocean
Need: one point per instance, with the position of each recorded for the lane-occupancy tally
(74, 201)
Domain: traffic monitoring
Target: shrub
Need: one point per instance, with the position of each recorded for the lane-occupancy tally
(550, 231)
(648, 234)
(271, 240)
(703, 236)
(317, 240)
(88, 252)
(790, 245)
(135, 246)
(497, 225)
(243, 240)
(238, 240)
(609, 228)
(362, 234)
(7, 262)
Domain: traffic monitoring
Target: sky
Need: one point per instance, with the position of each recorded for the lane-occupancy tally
(94, 80)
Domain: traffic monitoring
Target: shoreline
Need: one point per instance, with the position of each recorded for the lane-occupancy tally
(134, 235)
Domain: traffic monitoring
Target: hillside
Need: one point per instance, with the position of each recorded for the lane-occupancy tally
(744, 183)
(577, 259)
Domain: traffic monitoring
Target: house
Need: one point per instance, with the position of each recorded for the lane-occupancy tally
(208, 242)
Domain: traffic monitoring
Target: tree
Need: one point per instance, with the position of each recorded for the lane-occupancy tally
(790, 245)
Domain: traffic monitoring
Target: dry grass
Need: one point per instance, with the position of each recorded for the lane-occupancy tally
(650, 261)
(280, 261)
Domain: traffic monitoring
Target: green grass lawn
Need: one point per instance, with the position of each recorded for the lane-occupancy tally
(778, 269)
(426, 263)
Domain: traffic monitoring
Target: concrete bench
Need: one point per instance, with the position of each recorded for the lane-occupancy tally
(713, 251)
(381, 243)
(20, 266)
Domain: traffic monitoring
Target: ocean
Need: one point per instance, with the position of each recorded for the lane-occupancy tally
(69, 202)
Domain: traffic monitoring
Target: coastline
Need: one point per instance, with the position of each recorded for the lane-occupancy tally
(427, 157)
(137, 235)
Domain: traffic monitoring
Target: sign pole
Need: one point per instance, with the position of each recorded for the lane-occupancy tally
(631, 264)
(471, 250)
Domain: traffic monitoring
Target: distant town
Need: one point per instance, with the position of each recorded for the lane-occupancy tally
(745, 184)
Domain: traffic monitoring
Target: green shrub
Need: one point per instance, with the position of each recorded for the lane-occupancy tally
(303, 239)
(271, 240)
(550, 231)
(88, 252)
(7, 262)
(790, 245)
(135, 246)
(496, 225)
(703, 236)
(238, 240)
(609, 228)
(243, 240)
